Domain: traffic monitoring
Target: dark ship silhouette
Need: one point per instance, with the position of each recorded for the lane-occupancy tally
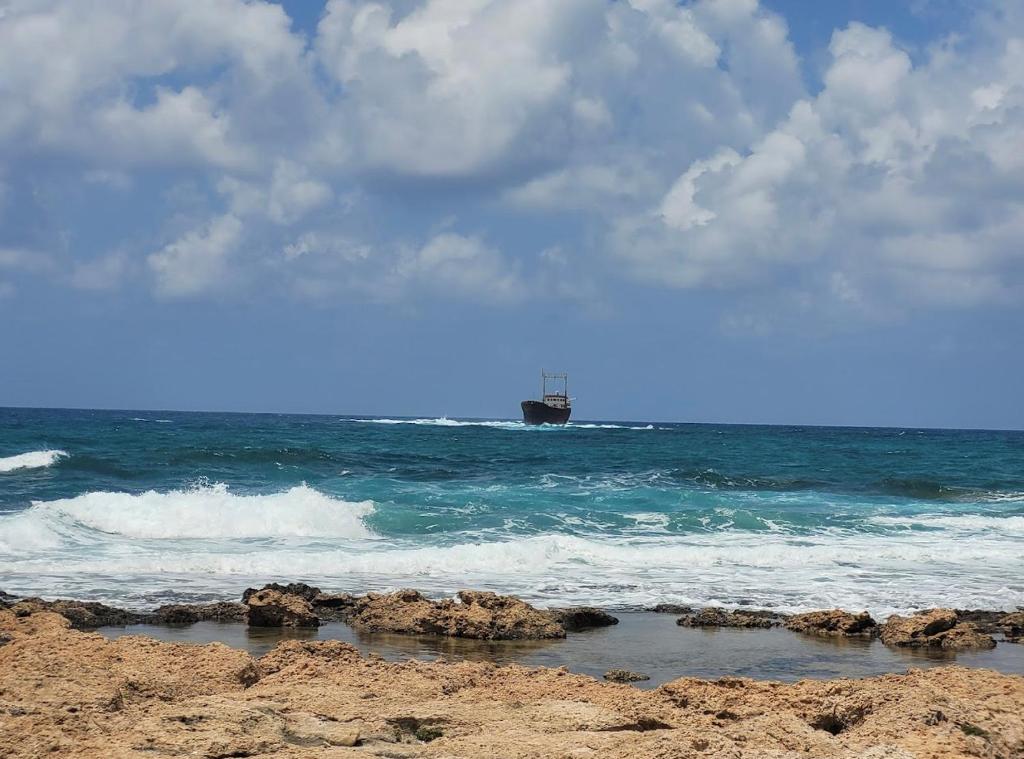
(552, 408)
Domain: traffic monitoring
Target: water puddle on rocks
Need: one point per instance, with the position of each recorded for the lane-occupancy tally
(642, 642)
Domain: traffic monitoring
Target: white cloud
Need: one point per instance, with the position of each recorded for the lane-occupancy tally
(680, 135)
(894, 184)
(198, 260)
(454, 264)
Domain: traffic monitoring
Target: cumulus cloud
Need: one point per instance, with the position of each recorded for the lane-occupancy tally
(680, 137)
(871, 186)
(198, 259)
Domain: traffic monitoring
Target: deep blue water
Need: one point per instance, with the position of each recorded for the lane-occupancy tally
(141, 507)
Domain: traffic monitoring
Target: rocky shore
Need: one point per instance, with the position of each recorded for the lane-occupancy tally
(484, 615)
(69, 693)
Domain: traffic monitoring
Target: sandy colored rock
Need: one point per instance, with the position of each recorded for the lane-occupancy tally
(77, 695)
(833, 623)
(272, 608)
(715, 617)
(1012, 626)
(477, 614)
(84, 615)
(934, 628)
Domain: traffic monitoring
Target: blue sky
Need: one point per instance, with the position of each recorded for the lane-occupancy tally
(785, 212)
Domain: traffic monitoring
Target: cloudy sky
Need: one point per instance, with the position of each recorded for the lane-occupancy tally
(719, 210)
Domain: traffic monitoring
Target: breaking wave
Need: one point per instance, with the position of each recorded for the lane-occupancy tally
(209, 512)
(31, 460)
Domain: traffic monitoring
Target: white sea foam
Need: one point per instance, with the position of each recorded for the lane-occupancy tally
(503, 424)
(215, 542)
(1007, 525)
(31, 460)
(207, 512)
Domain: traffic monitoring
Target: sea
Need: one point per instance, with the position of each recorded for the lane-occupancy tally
(141, 508)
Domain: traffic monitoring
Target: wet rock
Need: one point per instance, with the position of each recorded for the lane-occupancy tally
(477, 614)
(965, 635)
(625, 676)
(271, 608)
(300, 589)
(188, 614)
(985, 621)
(6, 600)
(716, 617)
(833, 623)
(576, 618)
(672, 609)
(336, 607)
(1012, 626)
(934, 628)
(83, 615)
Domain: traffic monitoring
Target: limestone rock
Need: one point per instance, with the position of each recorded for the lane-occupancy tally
(575, 618)
(934, 628)
(300, 589)
(716, 617)
(271, 608)
(833, 623)
(187, 614)
(477, 614)
(83, 615)
(310, 730)
(625, 676)
(1012, 626)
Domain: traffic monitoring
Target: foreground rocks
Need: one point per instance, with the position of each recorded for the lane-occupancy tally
(833, 623)
(72, 694)
(934, 628)
(715, 617)
(477, 614)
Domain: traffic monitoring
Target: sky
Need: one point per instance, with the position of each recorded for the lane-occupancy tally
(732, 211)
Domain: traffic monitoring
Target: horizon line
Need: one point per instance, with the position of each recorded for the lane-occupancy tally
(510, 419)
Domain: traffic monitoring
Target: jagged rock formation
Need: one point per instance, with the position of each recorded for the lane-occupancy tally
(625, 676)
(833, 623)
(934, 628)
(477, 614)
(576, 618)
(272, 608)
(715, 617)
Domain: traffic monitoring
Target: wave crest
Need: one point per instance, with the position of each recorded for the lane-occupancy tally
(31, 460)
(205, 512)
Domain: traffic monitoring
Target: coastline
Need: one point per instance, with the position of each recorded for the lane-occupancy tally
(73, 693)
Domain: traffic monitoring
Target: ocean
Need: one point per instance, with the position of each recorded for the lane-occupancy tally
(144, 508)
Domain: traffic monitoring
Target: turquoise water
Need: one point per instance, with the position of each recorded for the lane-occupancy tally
(144, 507)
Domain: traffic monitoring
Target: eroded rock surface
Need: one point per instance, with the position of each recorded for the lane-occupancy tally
(934, 628)
(272, 608)
(77, 695)
(477, 614)
(833, 623)
(84, 615)
(576, 618)
(715, 617)
(188, 614)
(625, 676)
(1012, 626)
